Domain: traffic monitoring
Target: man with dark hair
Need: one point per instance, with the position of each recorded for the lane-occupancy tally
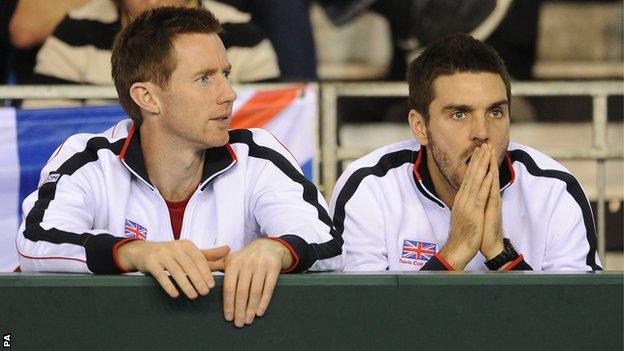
(461, 196)
(172, 192)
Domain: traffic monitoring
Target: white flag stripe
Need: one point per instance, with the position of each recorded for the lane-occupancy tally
(9, 189)
(294, 127)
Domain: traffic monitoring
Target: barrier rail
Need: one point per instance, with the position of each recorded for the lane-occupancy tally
(332, 153)
(321, 311)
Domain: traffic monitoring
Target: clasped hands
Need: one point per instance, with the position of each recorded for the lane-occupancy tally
(476, 223)
(250, 274)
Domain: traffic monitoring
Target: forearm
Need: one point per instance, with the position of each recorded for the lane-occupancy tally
(34, 20)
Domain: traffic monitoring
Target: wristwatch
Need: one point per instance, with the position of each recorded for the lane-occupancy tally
(507, 255)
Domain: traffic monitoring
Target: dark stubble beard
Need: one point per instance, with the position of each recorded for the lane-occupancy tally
(441, 160)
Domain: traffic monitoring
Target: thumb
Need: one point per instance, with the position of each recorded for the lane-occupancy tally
(216, 253)
(218, 265)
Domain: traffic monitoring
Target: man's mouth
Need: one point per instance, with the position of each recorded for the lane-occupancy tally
(222, 117)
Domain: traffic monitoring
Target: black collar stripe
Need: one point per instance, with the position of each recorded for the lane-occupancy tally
(422, 182)
(132, 156)
(506, 175)
(217, 160)
(384, 165)
(47, 191)
(321, 251)
(574, 189)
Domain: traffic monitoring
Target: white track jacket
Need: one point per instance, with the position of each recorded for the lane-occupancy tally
(95, 191)
(387, 211)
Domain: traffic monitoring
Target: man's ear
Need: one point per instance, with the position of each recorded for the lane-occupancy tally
(418, 127)
(142, 93)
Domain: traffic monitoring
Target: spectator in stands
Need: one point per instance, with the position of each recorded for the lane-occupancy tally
(28, 24)
(287, 25)
(462, 196)
(78, 52)
(6, 10)
(416, 23)
(167, 192)
(34, 20)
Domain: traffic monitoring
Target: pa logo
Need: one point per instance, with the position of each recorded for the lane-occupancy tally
(6, 341)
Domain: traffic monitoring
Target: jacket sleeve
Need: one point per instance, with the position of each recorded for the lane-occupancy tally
(288, 206)
(358, 215)
(56, 234)
(571, 242)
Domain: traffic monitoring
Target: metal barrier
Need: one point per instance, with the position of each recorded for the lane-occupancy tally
(332, 153)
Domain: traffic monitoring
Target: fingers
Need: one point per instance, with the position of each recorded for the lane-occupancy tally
(476, 171)
(185, 263)
(250, 278)
(495, 179)
(190, 267)
(216, 257)
(229, 289)
(267, 293)
(218, 265)
(179, 276)
(158, 272)
(255, 293)
(203, 267)
(485, 191)
(242, 295)
(254, 289)
(470, 170)
(216, 253)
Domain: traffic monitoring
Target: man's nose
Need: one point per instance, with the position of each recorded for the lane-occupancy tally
(227, 95)
(479, 129)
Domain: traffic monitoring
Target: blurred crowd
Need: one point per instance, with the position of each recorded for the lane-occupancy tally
(69, 42)
(45, 42)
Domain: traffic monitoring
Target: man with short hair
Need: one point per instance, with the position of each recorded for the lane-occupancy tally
(237, 201)
(461, 196)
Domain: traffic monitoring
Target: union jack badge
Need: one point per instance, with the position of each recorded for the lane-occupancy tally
(135, 230)
(418, 250)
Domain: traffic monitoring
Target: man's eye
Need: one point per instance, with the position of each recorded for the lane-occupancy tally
(458, 114)
(497, 113)
(226, 74)
(203, 79)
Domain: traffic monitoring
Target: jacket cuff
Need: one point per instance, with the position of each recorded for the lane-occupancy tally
(116, 253)
(519, 264)
(302, 252)
(293, 254)
(437, 263)
(99, 250)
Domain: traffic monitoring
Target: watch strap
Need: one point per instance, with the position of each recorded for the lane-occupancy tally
(507, 255)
